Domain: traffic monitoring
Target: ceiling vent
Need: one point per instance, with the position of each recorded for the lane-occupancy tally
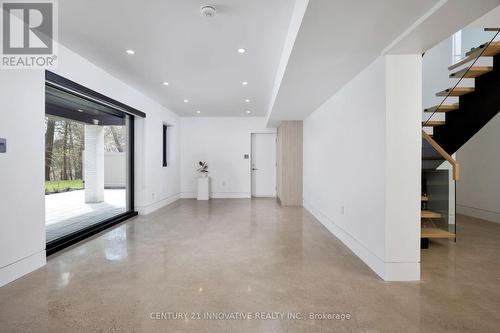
(208, 11)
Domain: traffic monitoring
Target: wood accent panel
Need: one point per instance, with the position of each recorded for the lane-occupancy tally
(290, 162)
(455, 92)
(471, 72)
(435, 233)
(446, 156)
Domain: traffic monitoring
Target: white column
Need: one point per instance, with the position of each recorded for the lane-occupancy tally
(94, 163)
(403, 166)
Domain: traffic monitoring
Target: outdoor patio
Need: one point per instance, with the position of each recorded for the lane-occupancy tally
(67, 212)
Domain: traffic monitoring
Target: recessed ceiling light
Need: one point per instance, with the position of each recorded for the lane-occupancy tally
(186, 100)
(241, 50)
(79, 110)
(198, 111)
(248, 111)
(244, 83)
(247, 100)
(131, 52)
(165, 83)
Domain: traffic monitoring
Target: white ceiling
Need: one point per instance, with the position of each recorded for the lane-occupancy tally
(327, 42)
(173, 42)
(339, 38)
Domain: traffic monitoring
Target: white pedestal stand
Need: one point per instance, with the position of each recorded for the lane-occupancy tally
(203, 188)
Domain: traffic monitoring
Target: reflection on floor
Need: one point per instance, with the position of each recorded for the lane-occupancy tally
(238, 255)
(67, 212)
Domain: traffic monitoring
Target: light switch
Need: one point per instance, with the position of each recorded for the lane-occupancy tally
(3, 145)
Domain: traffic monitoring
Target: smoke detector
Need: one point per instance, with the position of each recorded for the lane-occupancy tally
(208, 11)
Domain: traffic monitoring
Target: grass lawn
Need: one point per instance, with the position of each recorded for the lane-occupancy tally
(63, 185)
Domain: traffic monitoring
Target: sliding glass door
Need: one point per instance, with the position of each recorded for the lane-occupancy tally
(88, 166)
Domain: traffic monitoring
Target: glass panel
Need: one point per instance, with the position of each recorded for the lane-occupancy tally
(438, 193)
(86, 163)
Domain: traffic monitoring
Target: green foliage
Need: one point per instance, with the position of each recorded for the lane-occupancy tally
(57, 186)
(65, 145)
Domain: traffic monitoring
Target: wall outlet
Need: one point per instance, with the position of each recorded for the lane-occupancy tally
(224, 183)
(153, 195)
(342, 210)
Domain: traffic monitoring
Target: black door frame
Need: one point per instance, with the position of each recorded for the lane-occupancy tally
(59, 82)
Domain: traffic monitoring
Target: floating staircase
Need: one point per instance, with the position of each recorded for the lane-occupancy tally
(476, 107)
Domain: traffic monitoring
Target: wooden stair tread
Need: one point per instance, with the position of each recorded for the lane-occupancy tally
(471, 72)
(427, 214)
(455, 92)
(491, 50)
(435, 233)
(433, 123)
(442, 108)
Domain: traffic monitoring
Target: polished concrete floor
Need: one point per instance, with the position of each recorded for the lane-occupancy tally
(235, 255)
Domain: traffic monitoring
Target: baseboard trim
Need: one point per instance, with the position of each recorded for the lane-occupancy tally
(22, 267)
(219, 195)
(148, 209)
(479, 213)
(388, 271)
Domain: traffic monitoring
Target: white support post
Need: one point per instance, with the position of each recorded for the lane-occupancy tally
(94, 164)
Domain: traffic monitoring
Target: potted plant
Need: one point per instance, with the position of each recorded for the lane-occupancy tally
(203, 168)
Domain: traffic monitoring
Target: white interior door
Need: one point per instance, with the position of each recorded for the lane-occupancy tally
(264, 165)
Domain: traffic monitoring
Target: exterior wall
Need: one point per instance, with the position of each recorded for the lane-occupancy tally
(115, 171)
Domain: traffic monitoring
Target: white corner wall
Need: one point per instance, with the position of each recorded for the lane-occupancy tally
(22, 209)
(362, 166)
(478, 190)
(22, 122)
(222, 143)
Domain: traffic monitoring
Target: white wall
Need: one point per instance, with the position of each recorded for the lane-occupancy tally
(478, 190)
(435, 74)
(155, 186)
(222, 143)
(22, 211)
(22, 111)
(362, 166)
